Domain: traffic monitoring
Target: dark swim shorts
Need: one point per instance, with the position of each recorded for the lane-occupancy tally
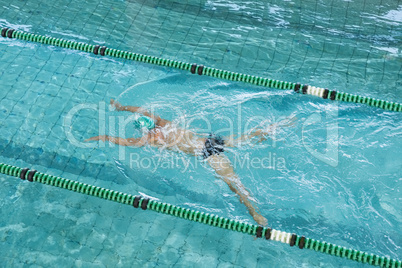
(213, 145)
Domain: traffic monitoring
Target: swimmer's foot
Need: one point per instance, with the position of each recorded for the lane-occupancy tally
(260, 219)
(289, 121)
(264, 130)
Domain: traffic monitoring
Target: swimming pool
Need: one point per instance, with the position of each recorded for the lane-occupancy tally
(349, 196)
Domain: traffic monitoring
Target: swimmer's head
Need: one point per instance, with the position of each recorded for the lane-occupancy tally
(144, 122)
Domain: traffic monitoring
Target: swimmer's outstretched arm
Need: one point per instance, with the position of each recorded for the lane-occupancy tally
(138, 142)
(135, 109)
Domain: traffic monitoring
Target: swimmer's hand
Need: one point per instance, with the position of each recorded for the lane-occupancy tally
(116, 105)
(98, 138)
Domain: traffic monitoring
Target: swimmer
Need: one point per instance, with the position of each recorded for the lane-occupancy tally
(158, 132)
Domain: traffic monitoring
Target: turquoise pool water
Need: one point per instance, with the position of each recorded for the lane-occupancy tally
(335, 175)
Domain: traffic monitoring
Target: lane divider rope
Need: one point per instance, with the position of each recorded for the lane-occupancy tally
(203, 70)
(292, 239)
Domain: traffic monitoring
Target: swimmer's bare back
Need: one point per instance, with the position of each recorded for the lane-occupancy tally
(165, 133)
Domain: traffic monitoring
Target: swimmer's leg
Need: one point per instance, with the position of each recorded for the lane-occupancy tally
(224, 169)
(135, 109)
(261, 133)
